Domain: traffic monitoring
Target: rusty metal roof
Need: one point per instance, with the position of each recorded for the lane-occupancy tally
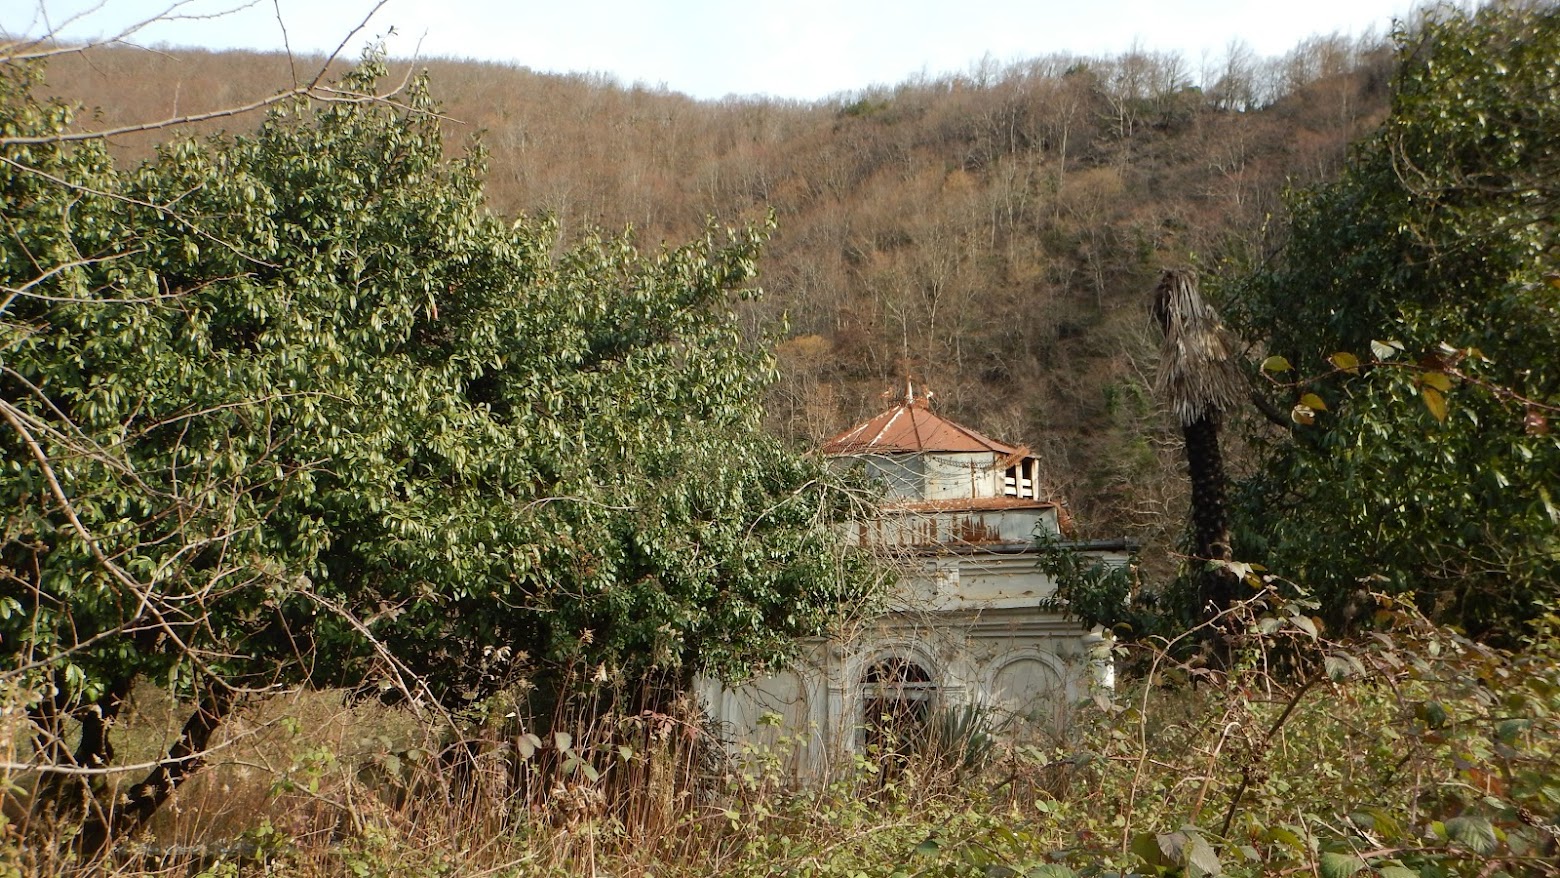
(974, 504)
(910, 428)
(978, 505)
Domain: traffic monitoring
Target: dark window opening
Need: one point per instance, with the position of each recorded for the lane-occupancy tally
(1022, 479)
(898, 697)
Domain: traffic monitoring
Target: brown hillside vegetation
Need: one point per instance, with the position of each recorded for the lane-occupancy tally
(994, 232)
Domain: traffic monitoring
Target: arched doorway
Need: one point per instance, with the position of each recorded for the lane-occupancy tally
(898, 697)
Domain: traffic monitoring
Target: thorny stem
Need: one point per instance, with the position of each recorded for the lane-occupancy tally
(1143, 748)
(1248, 772)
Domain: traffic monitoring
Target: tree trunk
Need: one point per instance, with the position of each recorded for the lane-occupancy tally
(54, 797)
(1210, 513)
(67, 793)
(48, 721)
(184, 758)
(95, 749)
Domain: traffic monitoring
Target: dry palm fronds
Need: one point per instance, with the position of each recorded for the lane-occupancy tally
(1197, 372)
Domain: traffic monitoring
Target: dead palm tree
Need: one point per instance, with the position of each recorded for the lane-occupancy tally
(1199, 378)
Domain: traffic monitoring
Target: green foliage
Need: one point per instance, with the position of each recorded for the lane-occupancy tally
(1099, 593)
(960, 739)
(1419, 293)
(293, 407)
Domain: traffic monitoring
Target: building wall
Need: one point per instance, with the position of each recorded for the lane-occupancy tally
(961, 476)
(900, 475)
(973, 623)
(939, 476)
(966, 616)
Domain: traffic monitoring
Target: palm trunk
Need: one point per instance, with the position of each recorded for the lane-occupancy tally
(1210, 513)
(1198, 377)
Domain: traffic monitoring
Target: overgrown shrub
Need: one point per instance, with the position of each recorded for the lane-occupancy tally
(1409, 751)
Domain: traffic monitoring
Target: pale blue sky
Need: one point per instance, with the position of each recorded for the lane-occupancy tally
(709, 48)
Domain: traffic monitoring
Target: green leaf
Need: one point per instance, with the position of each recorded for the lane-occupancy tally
(1146, 846)
(1287, 837)
(1339, 865)
(1385, 350)
(1201, 859)
(1185, 848)
(1509, 730)
(1306, 624)
(1313, 401)
(1338, 667)
(1276, 363)
(1439, 380)
(1474, 833)
(1550, 509)
(1346, 361)
(1433, 714)
(1051, 870)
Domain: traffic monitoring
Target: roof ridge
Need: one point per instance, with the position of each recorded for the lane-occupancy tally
(888, 435)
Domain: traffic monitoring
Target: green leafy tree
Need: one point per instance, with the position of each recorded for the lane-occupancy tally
(1417, 296)
(293, 408)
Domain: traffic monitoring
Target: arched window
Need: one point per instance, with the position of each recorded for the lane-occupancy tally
(897, 702)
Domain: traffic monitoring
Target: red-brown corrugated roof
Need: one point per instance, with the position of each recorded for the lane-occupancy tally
(910, 427)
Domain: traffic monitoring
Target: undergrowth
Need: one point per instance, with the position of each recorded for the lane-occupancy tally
(1408, 751)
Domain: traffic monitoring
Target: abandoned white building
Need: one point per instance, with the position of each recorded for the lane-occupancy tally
(966, 623)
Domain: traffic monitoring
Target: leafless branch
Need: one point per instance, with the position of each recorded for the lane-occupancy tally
(29, 52)
(315, 89)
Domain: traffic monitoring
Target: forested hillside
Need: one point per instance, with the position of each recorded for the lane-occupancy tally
(995, 232)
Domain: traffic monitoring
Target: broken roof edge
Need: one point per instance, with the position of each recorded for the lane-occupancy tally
(971, 504)
(1064, 520)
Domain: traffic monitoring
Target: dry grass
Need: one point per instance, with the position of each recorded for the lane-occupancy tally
(1273, 770)
(307, 784)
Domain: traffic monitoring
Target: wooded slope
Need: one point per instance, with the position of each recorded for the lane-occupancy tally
(995, 233)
